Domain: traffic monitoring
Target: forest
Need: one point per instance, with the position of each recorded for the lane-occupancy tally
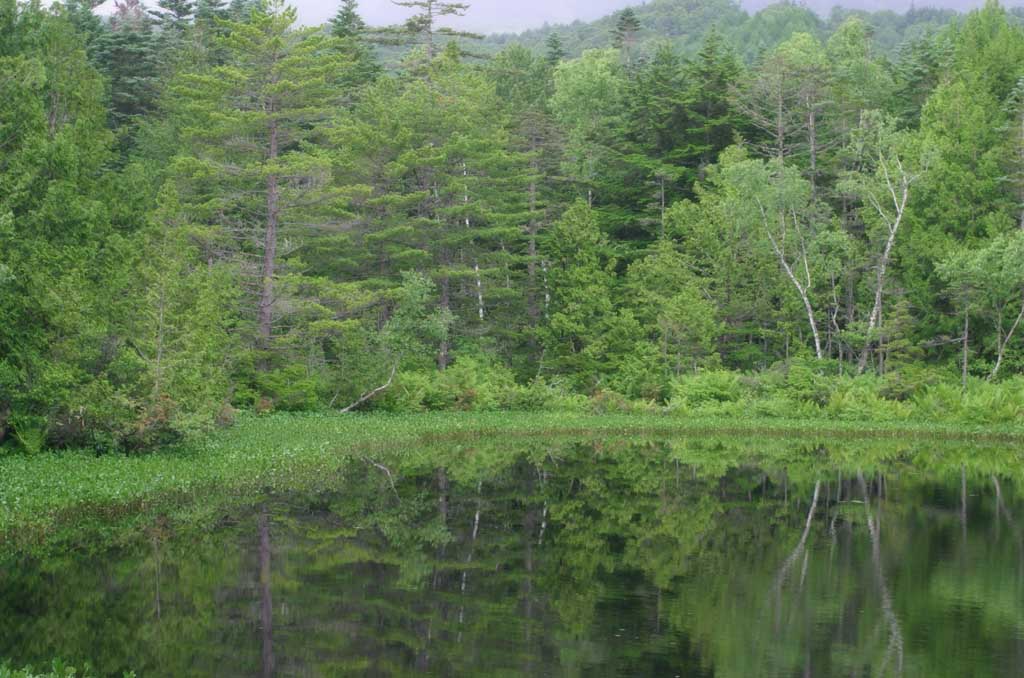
(209, 210)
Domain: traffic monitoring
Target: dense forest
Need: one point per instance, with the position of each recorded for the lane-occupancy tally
(206, 208)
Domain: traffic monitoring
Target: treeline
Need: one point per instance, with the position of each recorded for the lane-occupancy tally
(683, 24)
(205, 207)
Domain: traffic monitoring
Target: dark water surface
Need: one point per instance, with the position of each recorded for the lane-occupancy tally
(565, 558)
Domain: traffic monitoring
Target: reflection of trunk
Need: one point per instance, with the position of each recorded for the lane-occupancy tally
(543, 524)
(442, 495)
(159, 566)
(266, 604)
(963, 504)
(469, 557)
(529, 520)
(1014, 528)
(787, 565)
(780, 579)
(442, 512)
(895, 631)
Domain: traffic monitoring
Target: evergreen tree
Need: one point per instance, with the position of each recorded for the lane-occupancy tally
(351, 31)
(555, 50)
(450, 198)
(423, 28)
(127, 54)
(713, 121)
(347, 23)
(252, 168)
(624, 35)
(581, 276)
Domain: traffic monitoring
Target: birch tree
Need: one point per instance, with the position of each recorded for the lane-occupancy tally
(883, 184)
(774, 199)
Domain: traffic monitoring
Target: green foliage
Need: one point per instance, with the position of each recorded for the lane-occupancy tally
(57, 670)
(206, 208)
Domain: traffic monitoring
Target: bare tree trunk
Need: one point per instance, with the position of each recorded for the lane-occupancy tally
(812, 142)
(1004, 340)
(900, 195)
(479, 291)
(265, 318)
(661, 232)
(803, 289)
(442, 354)
(966, 349)
(531, 263)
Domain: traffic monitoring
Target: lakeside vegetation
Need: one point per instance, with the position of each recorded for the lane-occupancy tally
(84, 500)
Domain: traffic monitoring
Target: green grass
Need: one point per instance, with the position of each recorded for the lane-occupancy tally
(54, 494)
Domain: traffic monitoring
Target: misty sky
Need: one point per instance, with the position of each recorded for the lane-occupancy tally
(488, 16)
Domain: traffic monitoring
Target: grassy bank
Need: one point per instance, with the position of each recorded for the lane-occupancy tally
(44, 493)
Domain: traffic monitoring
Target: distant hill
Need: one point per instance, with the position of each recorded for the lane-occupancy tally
(824, 7)
(685, 22)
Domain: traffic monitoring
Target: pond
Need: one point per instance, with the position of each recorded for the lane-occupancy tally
(563, 557)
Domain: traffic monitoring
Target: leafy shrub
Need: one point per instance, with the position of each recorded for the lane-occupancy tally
(910, 380)
(540, 396)
(57, 670)
(292, 388)
(467, 385)
(698, 390)
(610, 402)
(806, 380)
(860, 399)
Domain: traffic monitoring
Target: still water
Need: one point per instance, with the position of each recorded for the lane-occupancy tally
(564, 558)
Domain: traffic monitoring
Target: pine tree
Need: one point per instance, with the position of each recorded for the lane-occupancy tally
(1012, 151)
(713, 121)
(347, 23)
(127, 54)
(624, 35)
(581, 277)
(523, 82)
(351, 31)
(253, 166)
(555, 50)
(423, 29)
(174, 15)
(652, 142)
(449, 200)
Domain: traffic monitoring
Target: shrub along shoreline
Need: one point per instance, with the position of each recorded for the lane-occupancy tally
(53, 494)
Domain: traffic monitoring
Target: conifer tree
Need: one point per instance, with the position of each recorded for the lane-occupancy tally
(127, 54)
(251, 167)
(713, 121)
(351, 31)
(624, 35)
(555, 51)
(423, 27)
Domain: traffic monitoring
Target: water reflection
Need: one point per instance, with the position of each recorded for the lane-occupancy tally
(677, 558)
